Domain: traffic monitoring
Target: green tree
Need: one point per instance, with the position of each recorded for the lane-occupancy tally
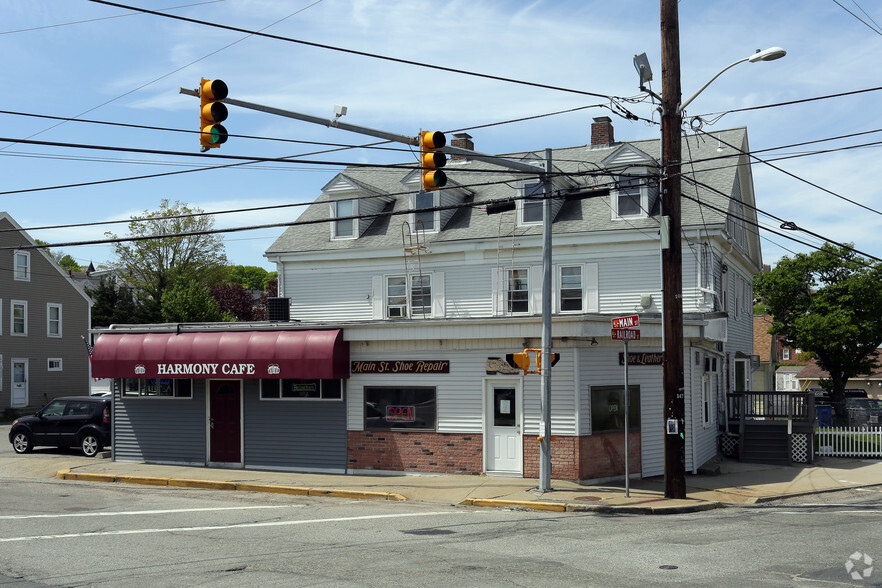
(65, 261)
(250, 277)
(171, 246)
(112, 304)
(191, 302)
(827, 303)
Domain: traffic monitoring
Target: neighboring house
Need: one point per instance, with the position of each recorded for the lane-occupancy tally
(43, 315)
(421, 308)
(779, 374)
(810, 376)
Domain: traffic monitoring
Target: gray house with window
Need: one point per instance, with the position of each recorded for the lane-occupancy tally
(413, 299)
(43, 316)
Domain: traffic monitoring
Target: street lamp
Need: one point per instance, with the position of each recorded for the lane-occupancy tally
(770, 54)
(673, 381)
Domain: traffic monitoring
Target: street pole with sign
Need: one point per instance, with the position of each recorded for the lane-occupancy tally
(623, 329)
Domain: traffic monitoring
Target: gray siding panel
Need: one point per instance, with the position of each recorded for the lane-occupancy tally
(292, 434)
(160, 430)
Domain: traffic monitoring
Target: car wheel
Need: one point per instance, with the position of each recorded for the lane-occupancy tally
(90, 445)
(21, 442)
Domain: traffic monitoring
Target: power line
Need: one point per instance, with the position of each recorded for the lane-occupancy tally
(871, 27)
(614, 99)
(721, 114)
(76, 22)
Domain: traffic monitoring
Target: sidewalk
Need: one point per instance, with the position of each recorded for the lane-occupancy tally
(737, 484)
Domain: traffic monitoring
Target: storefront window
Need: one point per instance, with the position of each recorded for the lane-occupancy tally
(158, 388)
(608, 408)
(301, 389)
(400, 408)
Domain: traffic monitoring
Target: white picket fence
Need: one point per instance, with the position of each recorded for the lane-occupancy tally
(849, 441)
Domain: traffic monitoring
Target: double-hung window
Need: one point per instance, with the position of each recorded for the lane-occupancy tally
(425, 219)
(412, 300)
(18, 323)
(571, 288)
(635, 197)
(53, 320)
(22, 269)
(532, 204)
(343, 228)
(517, 291)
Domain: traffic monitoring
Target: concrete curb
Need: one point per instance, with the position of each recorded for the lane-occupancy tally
(66, 474)
(698, 506)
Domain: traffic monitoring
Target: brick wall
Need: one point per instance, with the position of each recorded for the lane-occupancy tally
(584, 458)
(406, 451)
(603, 455)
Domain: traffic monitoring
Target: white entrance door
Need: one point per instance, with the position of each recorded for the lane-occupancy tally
(503, 442)
(19, 383)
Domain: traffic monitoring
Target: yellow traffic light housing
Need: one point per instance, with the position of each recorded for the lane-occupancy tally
(431, 159)
(212, 112)
(525, 360)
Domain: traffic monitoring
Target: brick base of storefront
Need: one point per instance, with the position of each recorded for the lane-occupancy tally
(405, 451)
(585, 458)
(572, 458)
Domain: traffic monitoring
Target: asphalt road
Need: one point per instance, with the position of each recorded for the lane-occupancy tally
(62, 533)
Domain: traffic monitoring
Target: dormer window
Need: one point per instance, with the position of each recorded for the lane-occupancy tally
(635, 197)
(344, 228)
(530, 209)
(424, 218)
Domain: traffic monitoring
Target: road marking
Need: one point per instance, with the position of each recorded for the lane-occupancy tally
(814, 512)
(222, 527)
(141, 512)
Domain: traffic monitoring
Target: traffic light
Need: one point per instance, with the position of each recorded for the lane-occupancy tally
(524, 360)
(431, 159)
(212, 112)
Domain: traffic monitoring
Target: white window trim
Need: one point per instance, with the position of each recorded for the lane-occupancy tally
(408, 307)
(54, 369)
(521, 203)
(354, 234)
(436, 214)
(49, 307)
(27, 270)
(644, 196)
(12, 305)
(707, 404)
(379, 291)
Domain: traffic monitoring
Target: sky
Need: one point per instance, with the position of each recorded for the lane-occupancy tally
(80, 59)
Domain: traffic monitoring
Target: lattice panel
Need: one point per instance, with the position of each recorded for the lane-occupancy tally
(799, 447)
(728, 445)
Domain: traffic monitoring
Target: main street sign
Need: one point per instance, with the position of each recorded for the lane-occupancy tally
(626, 322)
(626, 334)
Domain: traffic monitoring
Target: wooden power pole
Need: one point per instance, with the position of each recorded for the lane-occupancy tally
(672, 257)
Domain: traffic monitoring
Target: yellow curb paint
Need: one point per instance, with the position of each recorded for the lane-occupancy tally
(145, 480)
(352, 494)
(273, 489)
(203, 484)
(553, 506)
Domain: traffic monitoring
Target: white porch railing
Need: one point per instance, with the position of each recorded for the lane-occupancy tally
(849, 441)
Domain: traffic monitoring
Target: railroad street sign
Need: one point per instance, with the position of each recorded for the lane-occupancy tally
(626, 334)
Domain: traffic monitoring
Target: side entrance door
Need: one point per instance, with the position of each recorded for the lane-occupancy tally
(225, 421)
(19, 383)
(503, 444)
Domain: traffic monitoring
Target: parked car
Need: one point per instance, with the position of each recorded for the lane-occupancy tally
(82, 421)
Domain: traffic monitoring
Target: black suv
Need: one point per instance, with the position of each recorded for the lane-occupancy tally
(65, 422)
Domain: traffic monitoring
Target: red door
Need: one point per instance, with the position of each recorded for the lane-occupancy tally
(224, 422)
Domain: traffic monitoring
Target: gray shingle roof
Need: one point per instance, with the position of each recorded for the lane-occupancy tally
(714, 166)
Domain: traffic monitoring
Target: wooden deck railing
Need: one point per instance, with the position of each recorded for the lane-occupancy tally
(795, 406)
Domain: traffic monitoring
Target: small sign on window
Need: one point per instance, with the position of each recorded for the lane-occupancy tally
(400, 414)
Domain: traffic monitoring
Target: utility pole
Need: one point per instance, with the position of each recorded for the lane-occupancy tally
(672, 257)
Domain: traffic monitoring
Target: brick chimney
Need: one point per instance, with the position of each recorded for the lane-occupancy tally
(602, 132)
(463, 141)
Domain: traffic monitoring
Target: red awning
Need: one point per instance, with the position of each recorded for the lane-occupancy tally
(304, 355)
